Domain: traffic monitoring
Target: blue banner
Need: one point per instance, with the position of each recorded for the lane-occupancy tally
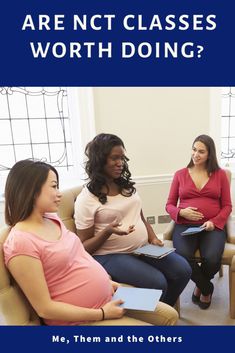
(117, 339)
(117, 43)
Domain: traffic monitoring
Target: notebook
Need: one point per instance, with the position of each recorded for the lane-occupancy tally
(138, 298)
(154, 251)
(193, 230)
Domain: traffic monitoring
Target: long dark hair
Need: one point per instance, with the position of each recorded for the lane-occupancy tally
(212, 162)
(23, 185)
(97, 152)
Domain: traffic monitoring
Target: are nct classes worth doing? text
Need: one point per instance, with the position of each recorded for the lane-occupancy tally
(126, 49)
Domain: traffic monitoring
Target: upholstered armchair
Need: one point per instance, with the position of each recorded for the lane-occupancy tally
(228, 255)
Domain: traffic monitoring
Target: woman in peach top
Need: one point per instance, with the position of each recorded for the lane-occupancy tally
(111, 224)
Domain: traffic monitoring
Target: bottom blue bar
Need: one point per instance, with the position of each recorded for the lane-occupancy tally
(179, 339)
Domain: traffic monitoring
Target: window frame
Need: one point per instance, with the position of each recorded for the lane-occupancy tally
(215, 129)
(82, 129)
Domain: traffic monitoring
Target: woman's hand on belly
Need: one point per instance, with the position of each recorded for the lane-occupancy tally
(209, 226)
(191, 214)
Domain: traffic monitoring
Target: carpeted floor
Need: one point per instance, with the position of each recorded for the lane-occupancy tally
(216, 314)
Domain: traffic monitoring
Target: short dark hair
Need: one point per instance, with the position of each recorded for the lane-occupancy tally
(24, 183)
(212, 162)
(97, 152)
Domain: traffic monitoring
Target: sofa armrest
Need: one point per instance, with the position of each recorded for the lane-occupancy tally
(232, 267)
(230, 229)
(167, 234)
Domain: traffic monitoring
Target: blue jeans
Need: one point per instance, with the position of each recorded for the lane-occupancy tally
(171, 273)
(211, 247)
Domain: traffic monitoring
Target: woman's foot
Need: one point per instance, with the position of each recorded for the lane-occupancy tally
(196, 295)
(205, 300)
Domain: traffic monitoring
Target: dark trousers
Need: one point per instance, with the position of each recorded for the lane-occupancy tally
(170, 274)
(211, 246)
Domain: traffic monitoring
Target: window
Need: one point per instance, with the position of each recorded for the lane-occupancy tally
(52, 124)
(228, 127)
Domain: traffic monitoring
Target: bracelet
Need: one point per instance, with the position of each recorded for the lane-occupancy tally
(103, 316)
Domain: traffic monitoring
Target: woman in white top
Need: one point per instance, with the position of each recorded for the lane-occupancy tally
(111, 224)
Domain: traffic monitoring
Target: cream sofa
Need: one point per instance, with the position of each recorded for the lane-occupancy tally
(14, 307)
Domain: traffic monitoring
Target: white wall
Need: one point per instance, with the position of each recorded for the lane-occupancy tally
(158, 126)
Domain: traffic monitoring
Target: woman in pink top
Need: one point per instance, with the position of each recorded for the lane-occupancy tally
(63, 283)
(111, 224)
(200, 196)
